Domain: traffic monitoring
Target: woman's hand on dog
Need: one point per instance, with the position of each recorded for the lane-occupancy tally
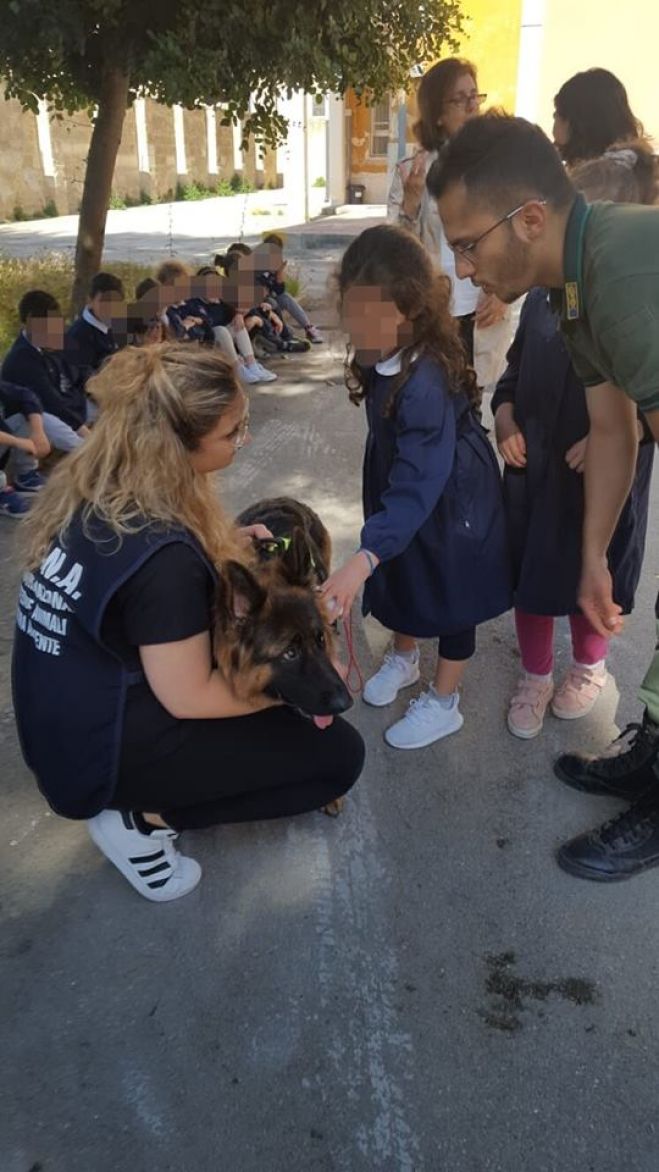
(341, 588)
(253, 533)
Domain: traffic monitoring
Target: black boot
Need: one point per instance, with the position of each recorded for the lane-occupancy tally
(624, 772)
(620, 848)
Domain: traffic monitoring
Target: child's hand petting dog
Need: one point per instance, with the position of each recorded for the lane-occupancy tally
(341, 588)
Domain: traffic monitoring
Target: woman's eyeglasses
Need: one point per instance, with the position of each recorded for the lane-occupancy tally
(239, 434)
(464, 101)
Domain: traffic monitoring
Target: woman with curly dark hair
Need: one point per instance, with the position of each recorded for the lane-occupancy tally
(433, 551)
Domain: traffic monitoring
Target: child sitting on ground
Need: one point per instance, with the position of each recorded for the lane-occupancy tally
(144, 324)
(182, 324)
(262, 320)
(23, 415)
(190, 317)
(90, 339)
(273, 277)
(36, 361)
(228, 326)
(16, 442)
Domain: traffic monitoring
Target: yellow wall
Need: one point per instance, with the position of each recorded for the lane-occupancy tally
(491, 41)
(579, 34)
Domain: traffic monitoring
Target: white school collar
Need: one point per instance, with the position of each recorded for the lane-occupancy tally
(391, 365)
(92, 320)
(394, 363)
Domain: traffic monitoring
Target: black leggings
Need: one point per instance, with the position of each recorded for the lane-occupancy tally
(243, 769)
(458, 646)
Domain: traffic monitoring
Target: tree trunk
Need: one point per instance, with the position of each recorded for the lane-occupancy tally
(103, 148)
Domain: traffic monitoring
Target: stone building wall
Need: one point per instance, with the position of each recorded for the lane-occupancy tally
(26, 185)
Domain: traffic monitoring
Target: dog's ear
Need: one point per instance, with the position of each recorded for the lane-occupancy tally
(239, 595)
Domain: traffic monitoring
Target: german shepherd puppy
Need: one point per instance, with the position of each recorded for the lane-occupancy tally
(273, 633)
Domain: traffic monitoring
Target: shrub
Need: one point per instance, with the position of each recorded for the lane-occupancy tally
(52, 271)
(293, 286)
(117, 202)
(19, 213)
(319, 182)
(240, 186)
(49, 210)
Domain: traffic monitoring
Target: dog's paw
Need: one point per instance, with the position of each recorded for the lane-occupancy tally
(333, 809)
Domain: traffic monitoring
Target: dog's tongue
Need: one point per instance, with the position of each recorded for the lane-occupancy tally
(322, 721)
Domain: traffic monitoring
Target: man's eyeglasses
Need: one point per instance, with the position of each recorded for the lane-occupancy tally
(464, 101)
(467, 251)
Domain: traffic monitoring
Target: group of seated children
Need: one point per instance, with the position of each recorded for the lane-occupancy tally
(237, 304)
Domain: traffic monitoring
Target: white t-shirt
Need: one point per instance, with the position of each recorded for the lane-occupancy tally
(430, 231)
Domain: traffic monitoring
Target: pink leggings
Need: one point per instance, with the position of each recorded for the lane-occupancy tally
(535, 635)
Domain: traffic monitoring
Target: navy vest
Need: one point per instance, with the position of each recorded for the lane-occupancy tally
(69, 689)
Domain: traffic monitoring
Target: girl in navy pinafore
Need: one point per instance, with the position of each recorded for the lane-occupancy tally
(433, 553)
(541, 421)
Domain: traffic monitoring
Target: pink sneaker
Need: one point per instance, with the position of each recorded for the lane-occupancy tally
(579, 691)
(528, 706)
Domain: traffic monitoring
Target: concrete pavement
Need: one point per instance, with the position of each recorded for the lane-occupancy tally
(194, 230)
(413, 987)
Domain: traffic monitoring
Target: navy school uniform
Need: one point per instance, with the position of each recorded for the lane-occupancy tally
(433, 507)
(48, 374)
(195, 307)
(274, 287)
(545, 500)
(86, 345)
(216, 313)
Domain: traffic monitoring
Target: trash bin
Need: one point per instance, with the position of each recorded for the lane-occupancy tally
(356, 192)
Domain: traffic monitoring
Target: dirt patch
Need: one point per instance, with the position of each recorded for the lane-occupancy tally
(511, 994)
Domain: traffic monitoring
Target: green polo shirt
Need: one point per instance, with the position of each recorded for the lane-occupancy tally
(609, 304)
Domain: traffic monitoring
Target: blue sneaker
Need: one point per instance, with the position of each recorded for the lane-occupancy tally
(13, 505)
(29, 482)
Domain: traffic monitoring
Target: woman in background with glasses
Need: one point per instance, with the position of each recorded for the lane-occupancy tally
(123, 715)
(447, 96)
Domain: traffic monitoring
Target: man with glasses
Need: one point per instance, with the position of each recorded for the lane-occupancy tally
(514, 221)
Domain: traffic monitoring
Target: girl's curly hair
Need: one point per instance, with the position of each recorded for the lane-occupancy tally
(394, 261)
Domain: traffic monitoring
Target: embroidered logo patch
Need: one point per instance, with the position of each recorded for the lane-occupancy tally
(572, 309)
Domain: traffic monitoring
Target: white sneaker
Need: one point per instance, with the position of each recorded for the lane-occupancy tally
(425, 721)
(249, 374)
(150, 862)
(396, 672)
(265, 376)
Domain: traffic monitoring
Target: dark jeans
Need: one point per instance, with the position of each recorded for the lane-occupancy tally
(243, 769)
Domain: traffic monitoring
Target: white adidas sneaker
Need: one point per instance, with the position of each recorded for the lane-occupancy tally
(396, 672)
(150, 862)
(426, 721)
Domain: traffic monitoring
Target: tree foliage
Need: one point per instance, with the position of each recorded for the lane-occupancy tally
(195, 53)
(99, 55)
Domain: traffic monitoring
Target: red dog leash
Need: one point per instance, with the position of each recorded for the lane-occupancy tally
(354, 677)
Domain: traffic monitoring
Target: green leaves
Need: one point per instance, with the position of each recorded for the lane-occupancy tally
(191, 53)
